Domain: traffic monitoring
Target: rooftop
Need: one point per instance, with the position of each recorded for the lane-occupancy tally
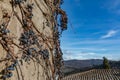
(96, 74)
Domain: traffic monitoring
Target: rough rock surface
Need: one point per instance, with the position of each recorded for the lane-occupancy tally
(25, 16)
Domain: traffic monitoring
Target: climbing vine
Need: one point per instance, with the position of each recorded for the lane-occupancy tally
(32, 41)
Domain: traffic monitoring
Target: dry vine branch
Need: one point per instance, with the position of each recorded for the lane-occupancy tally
(31, 36)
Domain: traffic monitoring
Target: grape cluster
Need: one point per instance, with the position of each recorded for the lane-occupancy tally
(7, 72)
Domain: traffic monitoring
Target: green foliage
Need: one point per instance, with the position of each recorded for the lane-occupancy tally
(106, 64)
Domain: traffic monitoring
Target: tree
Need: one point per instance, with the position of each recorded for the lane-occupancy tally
(106, 63)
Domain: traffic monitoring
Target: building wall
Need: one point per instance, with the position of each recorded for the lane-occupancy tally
(17, 19)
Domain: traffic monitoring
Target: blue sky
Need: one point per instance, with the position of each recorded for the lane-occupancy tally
(93, 29)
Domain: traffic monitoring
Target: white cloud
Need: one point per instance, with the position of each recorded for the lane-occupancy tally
(93, 49)
(97, 42)
(83, 48)
(90, 55)
(67, 55)
(82, 56)
(111, 33)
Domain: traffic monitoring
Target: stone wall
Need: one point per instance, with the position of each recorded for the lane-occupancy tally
(29, 37)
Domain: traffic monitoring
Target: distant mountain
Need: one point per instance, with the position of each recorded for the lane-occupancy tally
(79, 64)
(76, 66)
(115, 64)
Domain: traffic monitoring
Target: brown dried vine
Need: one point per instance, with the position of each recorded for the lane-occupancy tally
(30, 34)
